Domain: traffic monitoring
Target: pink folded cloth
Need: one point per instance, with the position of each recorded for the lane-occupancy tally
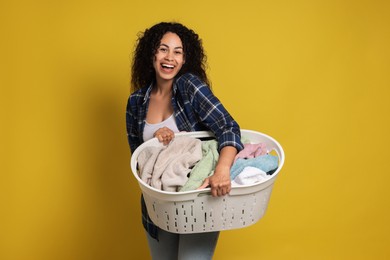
(252, 151)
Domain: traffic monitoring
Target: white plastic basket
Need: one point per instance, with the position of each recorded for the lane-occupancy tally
(197, 211)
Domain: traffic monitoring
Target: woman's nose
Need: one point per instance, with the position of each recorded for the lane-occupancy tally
(169, 56)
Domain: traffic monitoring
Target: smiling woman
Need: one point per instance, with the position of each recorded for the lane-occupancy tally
(167, 63)
(171, 93)
(168, 59)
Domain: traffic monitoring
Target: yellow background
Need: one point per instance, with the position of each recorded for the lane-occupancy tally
(312, 74)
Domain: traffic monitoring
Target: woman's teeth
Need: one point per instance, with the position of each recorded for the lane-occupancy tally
(167, 66)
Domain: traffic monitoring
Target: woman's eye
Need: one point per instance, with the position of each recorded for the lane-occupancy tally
(163, 49)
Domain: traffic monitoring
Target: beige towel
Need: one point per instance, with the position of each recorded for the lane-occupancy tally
(146, 161)
(168, 169)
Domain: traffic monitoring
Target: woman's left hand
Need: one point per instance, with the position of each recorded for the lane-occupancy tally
(219, 182)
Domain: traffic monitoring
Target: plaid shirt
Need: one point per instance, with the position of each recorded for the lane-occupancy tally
(195, 108)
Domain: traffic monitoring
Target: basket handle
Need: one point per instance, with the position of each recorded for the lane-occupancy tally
(206, 192)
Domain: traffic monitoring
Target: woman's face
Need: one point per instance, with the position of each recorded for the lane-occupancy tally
(169, 57)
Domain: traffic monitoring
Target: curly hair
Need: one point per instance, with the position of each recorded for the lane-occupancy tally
(142, 70)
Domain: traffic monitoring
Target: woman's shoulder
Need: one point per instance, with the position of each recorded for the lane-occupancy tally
(137, 100)
(138, 95)
(190, 80)
(188, 76)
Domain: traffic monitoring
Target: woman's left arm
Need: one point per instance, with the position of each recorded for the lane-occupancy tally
(208, 109)
(219, 182)
(213, 114)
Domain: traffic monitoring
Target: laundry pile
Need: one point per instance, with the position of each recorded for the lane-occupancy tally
(186, 162)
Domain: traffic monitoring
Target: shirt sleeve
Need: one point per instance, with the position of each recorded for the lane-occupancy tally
(131, 125)
(213, 114)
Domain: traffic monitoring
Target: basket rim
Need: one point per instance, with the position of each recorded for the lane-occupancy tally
(237, 190)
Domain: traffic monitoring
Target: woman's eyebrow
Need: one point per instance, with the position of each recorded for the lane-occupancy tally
(165, 45)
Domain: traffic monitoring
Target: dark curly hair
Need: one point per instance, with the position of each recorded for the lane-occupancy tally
(142, 70)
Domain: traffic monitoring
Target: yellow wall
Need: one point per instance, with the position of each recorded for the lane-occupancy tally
(312, 74)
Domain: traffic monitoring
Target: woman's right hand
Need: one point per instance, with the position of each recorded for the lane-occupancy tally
(164, 135)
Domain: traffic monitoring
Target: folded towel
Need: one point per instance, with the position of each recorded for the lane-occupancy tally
(252, 151)
(267, 163)
(250, 175)
(146, 161)
(204, 168)
(166, 167)
(176, 162)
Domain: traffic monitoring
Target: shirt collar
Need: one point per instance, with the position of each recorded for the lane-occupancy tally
(147, 94)
(149, 90)
(174, 88)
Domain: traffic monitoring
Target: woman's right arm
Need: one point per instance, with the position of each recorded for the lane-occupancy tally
(164, 135)
(132, 127)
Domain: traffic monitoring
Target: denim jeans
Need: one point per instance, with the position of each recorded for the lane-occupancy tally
(171, 246)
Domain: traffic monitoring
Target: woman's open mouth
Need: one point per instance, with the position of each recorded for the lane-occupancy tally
(167, 66)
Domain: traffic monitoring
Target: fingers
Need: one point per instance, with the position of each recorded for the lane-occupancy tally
(204, 185)
(220, 189)
(216, 190)
(164, 135)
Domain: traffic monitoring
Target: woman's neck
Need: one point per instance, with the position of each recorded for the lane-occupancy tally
(163, 87)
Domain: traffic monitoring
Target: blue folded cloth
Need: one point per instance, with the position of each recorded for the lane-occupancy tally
(267, 163)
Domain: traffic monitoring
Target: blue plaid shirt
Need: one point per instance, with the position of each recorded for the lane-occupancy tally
(195, 108)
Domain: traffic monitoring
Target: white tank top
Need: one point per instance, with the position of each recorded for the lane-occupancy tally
(150, 129)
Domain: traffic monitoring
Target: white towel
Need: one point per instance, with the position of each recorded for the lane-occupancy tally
(250, 175)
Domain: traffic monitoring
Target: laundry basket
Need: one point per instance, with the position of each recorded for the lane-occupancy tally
(197, 211)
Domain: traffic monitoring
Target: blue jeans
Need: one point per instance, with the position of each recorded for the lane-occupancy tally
(171, 246)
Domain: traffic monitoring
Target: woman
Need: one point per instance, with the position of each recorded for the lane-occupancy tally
(170, 93)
